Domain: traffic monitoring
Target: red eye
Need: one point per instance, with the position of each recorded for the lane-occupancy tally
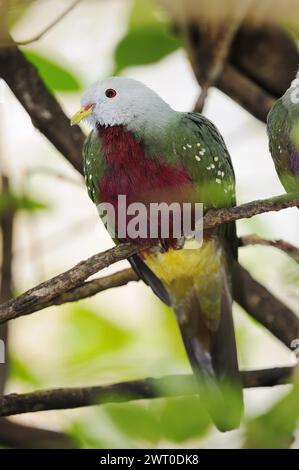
(110, 93)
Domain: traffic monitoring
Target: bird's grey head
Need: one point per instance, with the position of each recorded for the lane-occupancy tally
(291, 96)
(122, 101)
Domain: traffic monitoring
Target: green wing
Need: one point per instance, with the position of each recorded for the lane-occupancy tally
(94, 165)
(282, 127)
(201, 149)
(207, 160)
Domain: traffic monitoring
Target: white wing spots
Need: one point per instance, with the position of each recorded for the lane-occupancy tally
(225, 191)
(212, 165)
(209, 167)
(202, 152)
(219, 173)
(189, 146)
(90, 177)
(197, 157)
(87, 162)
(216, 159)
(222, 174)
(185, 148)
(198, 144)
(218, 180)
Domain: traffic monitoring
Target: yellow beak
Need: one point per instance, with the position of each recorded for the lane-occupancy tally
(81, 114)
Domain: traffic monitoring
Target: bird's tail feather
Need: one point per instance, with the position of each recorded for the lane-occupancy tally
(199, 291)
(213, 357)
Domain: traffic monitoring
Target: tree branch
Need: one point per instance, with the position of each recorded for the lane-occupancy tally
(21, 436)
(6, 227)
(66, 398)
(266, 308)
(45, 112)
(86, 289)
(260, 67)
(48, 290)
(250, 209)
(47, 28)
(44, 293)
(90, 288)
(245, 92)
(254, 298)
(291, 250)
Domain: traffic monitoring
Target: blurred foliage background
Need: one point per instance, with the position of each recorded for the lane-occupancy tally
(127, 333)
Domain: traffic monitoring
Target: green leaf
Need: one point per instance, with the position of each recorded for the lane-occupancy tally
(143, 12)
(275, 429)
(88, 336)
(82, 437)
(56, 77)
(20, 202)
(18, 370)
(144, 46)
(183, 418)
(135, 421)
(175, 419)
(27, 203)
(147, 39)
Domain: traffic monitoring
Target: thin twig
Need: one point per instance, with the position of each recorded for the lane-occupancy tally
(59, 175)
(179, 385)
(282, 245)
(85, 290)
(46, 29)
(214, 51)
(250, 209)
(90, 288)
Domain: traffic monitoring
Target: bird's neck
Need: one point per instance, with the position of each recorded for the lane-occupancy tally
(291, 101)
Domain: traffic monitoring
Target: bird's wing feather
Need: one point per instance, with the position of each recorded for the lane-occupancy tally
(94, 165)
(283, 130)
(207, 159)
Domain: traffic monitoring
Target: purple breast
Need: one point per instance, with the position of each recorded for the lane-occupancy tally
(295, 162)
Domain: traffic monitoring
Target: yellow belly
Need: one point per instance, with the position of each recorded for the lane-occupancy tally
(202, 269)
